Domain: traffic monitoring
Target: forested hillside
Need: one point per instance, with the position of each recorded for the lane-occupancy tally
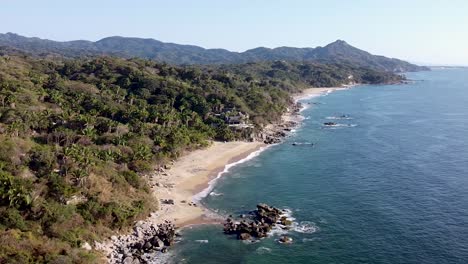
(338, 51)
(78, 135)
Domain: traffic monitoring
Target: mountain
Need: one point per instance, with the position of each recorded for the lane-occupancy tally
(338, 51)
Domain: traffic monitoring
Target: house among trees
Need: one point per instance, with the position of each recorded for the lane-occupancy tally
(235, 118)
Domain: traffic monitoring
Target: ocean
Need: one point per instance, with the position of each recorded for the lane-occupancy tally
(388, 184)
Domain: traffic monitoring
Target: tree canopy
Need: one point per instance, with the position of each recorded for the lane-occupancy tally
(78, 135)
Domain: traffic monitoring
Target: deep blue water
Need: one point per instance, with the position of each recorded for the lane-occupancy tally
(391, 189)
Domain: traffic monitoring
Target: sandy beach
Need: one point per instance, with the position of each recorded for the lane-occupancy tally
(189, 176)
(311, 92)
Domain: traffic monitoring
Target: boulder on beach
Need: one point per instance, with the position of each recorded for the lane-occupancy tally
(147, 238)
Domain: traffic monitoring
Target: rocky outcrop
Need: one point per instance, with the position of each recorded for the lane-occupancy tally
(274, 133)
(146, 242)
(261, 222)
(285, 240)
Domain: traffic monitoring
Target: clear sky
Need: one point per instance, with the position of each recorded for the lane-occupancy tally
(429, 31)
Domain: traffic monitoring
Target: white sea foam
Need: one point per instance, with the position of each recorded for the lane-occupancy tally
(215, 194)
(280, 229)
(307, 97)
(202, 241)
(263, 250)
(339, 125)
(305, 227)
(338, 118)
(212, 183)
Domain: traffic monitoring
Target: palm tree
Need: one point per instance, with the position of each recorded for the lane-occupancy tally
(89, 132)
(15, 128)
(142, 152)
(80, 177)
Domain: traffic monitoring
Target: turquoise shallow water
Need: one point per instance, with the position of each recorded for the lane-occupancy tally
(391, 188)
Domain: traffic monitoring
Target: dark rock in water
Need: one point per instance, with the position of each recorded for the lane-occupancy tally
(284, 221)
(244, 236)
(285, 240)
(302, 144)
(263, 220)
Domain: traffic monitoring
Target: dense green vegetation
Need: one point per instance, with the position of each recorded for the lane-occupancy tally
(77, 136)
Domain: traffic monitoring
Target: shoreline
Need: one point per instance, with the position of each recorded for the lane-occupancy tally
(207, 166)
(181, 186)
(193, 177)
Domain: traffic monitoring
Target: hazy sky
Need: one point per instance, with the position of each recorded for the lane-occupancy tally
(429, 31)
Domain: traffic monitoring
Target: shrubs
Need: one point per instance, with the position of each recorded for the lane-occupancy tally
(23, 247)
(140, 166)
(116, 215)
(11, 219)
(14, 192)
(41, 160)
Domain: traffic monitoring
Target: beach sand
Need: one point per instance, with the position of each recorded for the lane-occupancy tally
(312, 92)
(189, 176)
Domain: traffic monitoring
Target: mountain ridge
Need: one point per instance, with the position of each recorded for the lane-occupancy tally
(148, 48)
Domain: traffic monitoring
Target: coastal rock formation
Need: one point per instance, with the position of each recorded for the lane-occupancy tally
(329, 124)
(274, 134)
(142, 246)
(285, 240)
(262, 221)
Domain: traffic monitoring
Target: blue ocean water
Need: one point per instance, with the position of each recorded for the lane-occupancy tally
(389, 186)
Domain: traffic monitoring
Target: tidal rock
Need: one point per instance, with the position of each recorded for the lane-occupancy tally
(285, 240)
(244, 236)
(262, 221)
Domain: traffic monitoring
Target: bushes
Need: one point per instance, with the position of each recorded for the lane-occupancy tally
(133, 179)
(11, 218)
(14, 192)
(140, 166)
(42, 160)
(116, 215)
(58, 188)
(23, 247)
